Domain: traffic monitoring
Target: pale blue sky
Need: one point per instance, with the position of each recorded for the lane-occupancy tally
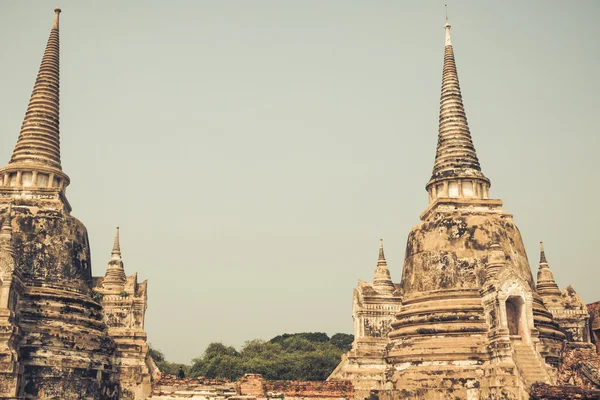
(253, 152)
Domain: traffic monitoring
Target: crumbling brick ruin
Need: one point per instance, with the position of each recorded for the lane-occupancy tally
(467, 320)
(250, 387)
(63, 333)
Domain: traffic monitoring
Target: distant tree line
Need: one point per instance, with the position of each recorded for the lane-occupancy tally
(298, 356)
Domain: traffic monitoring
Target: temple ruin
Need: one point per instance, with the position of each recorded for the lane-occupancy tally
(467, 320)
(63, 333)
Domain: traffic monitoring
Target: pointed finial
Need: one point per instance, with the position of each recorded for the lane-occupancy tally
(57, 11)
(542, 254)
(381, 255)
(116, 247)
(447, 27)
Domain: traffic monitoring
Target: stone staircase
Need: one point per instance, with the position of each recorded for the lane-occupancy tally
(530, 364)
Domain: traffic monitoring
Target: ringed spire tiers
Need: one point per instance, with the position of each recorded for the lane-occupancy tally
(456, 170)
(115, 277)
(35, 161)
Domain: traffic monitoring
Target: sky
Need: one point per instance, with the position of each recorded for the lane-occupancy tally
(254, 152)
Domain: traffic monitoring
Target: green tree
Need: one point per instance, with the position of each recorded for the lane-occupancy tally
(310, 336)
(300, 356)
(219, 349)
(342, 340)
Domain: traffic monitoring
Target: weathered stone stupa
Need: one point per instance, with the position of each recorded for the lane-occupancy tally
(472, 324)
(59, 337)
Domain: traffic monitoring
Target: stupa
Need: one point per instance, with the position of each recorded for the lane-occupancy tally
(471, 321)
(60, 333)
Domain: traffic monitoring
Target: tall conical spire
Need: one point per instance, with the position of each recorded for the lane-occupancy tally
(456, 171)
(115, 277)
(39, 139)
(546, 285)
(382, 281)
(35, 161)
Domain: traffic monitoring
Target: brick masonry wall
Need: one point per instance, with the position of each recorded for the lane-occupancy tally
(311, 389)
(541, 391)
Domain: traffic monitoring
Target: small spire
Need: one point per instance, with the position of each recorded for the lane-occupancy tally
(115, 277)
(546, 285)
(381, 255)
(447, 27)
(57, 11)
(116, 251)
(382, 282)
(542, 254)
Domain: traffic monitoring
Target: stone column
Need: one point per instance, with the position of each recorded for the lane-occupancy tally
(502, 310)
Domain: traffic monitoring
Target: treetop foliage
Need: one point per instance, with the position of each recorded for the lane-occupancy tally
(297, 356)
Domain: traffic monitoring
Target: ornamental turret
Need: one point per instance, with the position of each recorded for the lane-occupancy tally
(35, 162)
(382, 282)
(456, 170)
